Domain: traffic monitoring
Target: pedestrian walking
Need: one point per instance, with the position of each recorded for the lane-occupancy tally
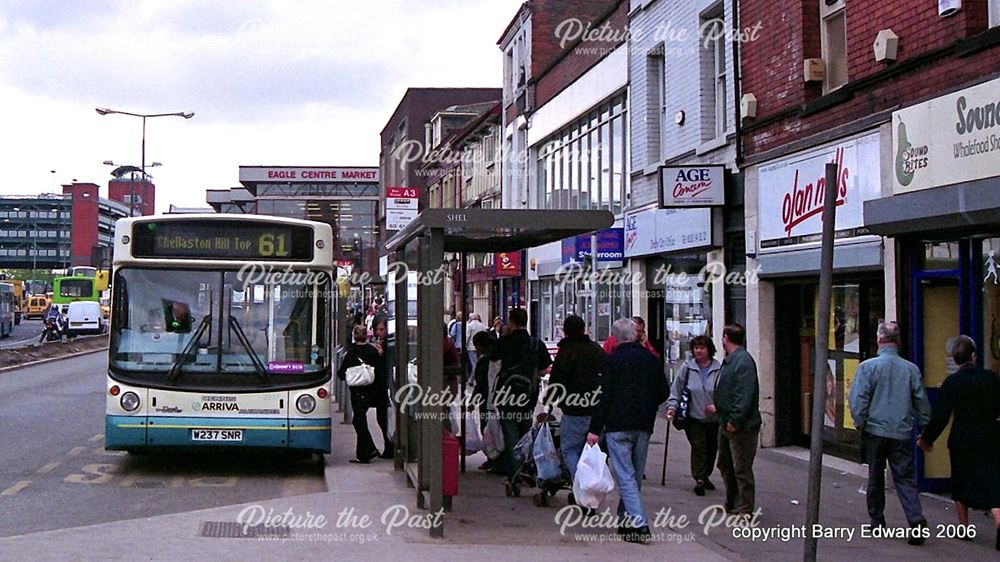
(737, 403)
(698, 376)
(887, 398)
(574, 383)
(379, 389)
(632, 388)
(474, 326)
(362, 397)
(640, 326)
(971, 399)
(523, 359)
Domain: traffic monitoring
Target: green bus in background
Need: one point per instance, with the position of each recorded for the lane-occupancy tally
(70, 289)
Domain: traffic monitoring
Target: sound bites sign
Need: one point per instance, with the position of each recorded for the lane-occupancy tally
(692, 186)
(949, 139)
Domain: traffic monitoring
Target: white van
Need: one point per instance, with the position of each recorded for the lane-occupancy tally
(85, 318)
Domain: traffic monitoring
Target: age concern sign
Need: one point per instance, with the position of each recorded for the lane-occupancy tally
(949, 139)
(692, 186)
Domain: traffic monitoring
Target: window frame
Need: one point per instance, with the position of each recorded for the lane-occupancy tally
(827, 13)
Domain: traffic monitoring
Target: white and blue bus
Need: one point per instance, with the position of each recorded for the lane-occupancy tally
(220, 333)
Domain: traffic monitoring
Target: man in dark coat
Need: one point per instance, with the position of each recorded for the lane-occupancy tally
(972, 395)
(737, 401)
(574, 384)
(632, 388)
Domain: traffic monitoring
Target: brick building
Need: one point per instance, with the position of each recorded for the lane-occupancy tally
(832, 82)
(565, 146)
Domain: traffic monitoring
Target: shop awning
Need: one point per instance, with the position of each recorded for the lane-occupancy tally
(500, 230)
(928, 211)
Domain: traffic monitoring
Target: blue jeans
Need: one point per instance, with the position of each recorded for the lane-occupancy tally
(627, 451)
(514, 428)
(572, 438)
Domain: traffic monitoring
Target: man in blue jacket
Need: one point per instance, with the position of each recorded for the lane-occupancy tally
(632, 389)
(887, 397)
(737, 403)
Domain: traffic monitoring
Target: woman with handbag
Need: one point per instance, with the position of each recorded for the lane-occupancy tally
(691, 407)
(358, 370)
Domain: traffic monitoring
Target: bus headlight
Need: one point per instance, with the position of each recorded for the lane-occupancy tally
(306, 403)
(129, 401)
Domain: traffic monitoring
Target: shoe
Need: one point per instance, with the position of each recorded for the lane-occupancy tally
(387, 453)
(486, 465)
(699, 488)
(636, 536)
(919, 540)
(571, 499)
(708, 485)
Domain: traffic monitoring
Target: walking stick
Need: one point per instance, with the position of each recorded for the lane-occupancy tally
(666, 446)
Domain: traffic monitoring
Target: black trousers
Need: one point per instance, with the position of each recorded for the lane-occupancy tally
(736, 454)
(704, 440)
(899, 454)
(365, 447)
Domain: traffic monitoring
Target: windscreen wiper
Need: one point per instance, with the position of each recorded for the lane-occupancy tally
(175, 369)
(258, 365)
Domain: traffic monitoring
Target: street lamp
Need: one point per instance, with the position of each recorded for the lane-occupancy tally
(107, 111)
(131, 198)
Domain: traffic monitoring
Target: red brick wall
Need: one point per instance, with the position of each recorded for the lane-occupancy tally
(546, 15)
(83, 230)
(772, 66)
(580, 56)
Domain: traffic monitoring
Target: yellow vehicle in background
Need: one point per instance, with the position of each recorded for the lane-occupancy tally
(36, 307)
(106, 307)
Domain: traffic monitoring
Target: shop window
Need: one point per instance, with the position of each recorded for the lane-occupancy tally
(713, 75)
(994, 13)
(833, 37)
(655, 104)
(941, 256)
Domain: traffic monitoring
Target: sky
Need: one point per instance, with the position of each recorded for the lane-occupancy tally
(297, 83)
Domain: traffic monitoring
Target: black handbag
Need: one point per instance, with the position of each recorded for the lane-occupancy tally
(681, 414)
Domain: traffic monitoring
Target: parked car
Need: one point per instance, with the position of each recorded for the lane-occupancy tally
(85, 318)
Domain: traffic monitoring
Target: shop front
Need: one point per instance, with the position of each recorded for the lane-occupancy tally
(786, 259)
(944, 214)
(676, 252)
(572, 286)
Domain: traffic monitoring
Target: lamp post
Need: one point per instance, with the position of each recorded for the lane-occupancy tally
(358, 248)
(107, 111)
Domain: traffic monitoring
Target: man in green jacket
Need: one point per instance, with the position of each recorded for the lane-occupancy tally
(887, 397)
(737, 400)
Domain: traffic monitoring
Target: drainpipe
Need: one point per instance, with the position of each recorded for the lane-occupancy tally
(736, 83)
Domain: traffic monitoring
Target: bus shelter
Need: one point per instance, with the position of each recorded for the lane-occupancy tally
(422, 246)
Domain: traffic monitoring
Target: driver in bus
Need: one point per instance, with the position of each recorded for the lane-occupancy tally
(178, 317)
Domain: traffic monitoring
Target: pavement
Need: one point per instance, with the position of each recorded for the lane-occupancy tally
(368, 512)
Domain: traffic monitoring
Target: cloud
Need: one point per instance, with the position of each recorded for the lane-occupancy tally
(271, 82)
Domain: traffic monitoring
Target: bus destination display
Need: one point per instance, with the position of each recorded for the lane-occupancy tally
(227, 241)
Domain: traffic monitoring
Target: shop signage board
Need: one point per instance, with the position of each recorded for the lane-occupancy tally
(791, 192)
(610, 246)
(946, 140)
(692, 186)
(654, 231)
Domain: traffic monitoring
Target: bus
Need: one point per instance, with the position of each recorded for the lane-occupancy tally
(36, 287)
(20, 300)
(81, 271)
(71, 289)
(6, 309)
(220, 333)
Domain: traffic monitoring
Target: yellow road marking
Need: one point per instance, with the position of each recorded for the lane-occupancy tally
(48, 468)
(13, 490)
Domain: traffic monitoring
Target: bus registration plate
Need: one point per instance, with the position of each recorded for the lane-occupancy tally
(217, 435)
